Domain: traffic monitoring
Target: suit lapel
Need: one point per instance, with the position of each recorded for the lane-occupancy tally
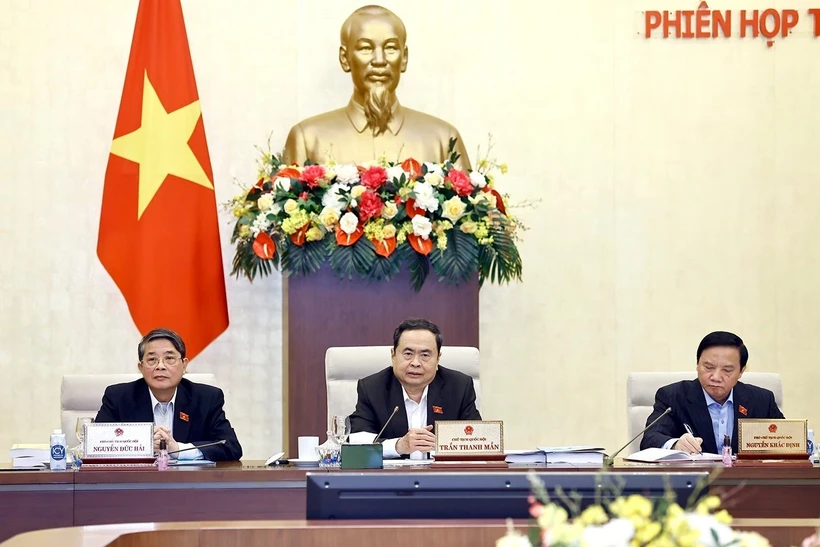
(182, 410)
(740, 398)
(435, 401)
(701, 420)
(396, 399)
(143, 411)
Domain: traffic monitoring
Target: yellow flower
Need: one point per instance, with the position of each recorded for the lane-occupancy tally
(594, 514)
(565, 533)
(314, 234)
(647, 532)
(482, 164)
(503, 168)
(707, 505)
(291, 206)
(264, 202)
(238, 211)
(441, 242)
(404, 191)
(723, 517)
(389, 231)
(390, 210)
(468, 227)
(329, 217)
(244, 231)
(357, 191)
(552, 515)
(453, 208)
(295, 222)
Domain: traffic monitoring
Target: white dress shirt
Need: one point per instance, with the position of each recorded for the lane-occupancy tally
(164, 415)
(416, 418)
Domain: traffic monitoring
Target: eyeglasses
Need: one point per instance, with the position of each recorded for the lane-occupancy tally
(169, 360)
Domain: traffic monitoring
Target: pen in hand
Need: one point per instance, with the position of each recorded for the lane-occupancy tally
(689, 430)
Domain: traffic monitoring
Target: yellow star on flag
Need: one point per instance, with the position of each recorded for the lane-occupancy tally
(160, 146)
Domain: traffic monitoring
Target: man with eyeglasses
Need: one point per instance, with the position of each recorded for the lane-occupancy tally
(706, 409)
(423, 391)
(185, 414)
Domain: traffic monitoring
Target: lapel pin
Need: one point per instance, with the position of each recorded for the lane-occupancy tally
(438, 410)
(742, 409)
(183, 416)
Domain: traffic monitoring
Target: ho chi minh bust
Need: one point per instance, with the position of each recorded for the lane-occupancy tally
(374, 51)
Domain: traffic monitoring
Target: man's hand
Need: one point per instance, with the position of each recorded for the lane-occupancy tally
(689, 444)
(421, 439)
(162, 432)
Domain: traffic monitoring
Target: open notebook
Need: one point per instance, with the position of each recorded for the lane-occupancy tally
(654, 455)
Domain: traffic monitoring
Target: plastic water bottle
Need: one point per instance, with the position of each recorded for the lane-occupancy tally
(810, 446)
(58, 457)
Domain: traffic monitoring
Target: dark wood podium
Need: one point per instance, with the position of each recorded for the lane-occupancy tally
(322, 311)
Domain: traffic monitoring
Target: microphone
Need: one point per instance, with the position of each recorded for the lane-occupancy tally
(223, 441)
(395, 409)
(610, 460)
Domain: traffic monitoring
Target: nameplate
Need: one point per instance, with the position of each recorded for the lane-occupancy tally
(469, 438)
(772, 438)
(118, 441)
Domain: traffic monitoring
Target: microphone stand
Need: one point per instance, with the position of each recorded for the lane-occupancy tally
(610, 460)
(223, 441)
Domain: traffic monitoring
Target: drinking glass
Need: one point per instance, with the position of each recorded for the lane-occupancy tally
(79, 429)
(340, 428)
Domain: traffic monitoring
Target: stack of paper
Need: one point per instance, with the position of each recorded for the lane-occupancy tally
(29, 455)
(662, 455)
(572, 455)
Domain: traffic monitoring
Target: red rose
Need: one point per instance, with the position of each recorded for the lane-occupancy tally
(460, 182)
(374, 177)
(370, 205)
(312, 174)
(304, 196)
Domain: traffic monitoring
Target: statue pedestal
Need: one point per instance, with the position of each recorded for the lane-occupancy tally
(322, 311)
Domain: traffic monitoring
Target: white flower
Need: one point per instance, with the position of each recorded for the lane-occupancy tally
(332, 198)
(706, 525)
(478, 179)
(394, 172)
(282, 183)
(434, 168)
(615, 533)
(347, 174)
(349, 223)
(433, 179)
(425, 197)
(421, 226)
(513, 540)
(264, 202)
(276, 209)
(260, 224)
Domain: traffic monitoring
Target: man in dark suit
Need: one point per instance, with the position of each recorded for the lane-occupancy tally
(422, 390)
(185, 415)
(711, 405)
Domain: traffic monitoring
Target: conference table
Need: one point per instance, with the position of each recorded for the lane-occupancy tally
(249, 491)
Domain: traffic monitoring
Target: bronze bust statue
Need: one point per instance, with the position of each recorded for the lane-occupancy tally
(374, 51)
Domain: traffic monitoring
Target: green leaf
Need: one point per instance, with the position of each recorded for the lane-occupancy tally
(384, 269)
(352, 259)
(459, 261)
(500, 261)
(245, 262)
(418, 264)
(305, 259)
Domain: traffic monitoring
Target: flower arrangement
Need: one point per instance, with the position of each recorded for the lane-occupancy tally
(627, 521)
(368, 220)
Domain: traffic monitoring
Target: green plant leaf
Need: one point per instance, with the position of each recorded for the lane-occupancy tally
(305, 259)
(245, 262)
(417, 264)
(345, 261)
(459, 261)
(500, 261)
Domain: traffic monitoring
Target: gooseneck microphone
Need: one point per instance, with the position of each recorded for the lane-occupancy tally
(610, 460)
(376, 440)
(223, 441)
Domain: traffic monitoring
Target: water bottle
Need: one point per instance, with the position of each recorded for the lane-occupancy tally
(810, 446)
(57, 461)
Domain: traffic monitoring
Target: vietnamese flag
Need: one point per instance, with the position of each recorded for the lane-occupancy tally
(159, 237)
